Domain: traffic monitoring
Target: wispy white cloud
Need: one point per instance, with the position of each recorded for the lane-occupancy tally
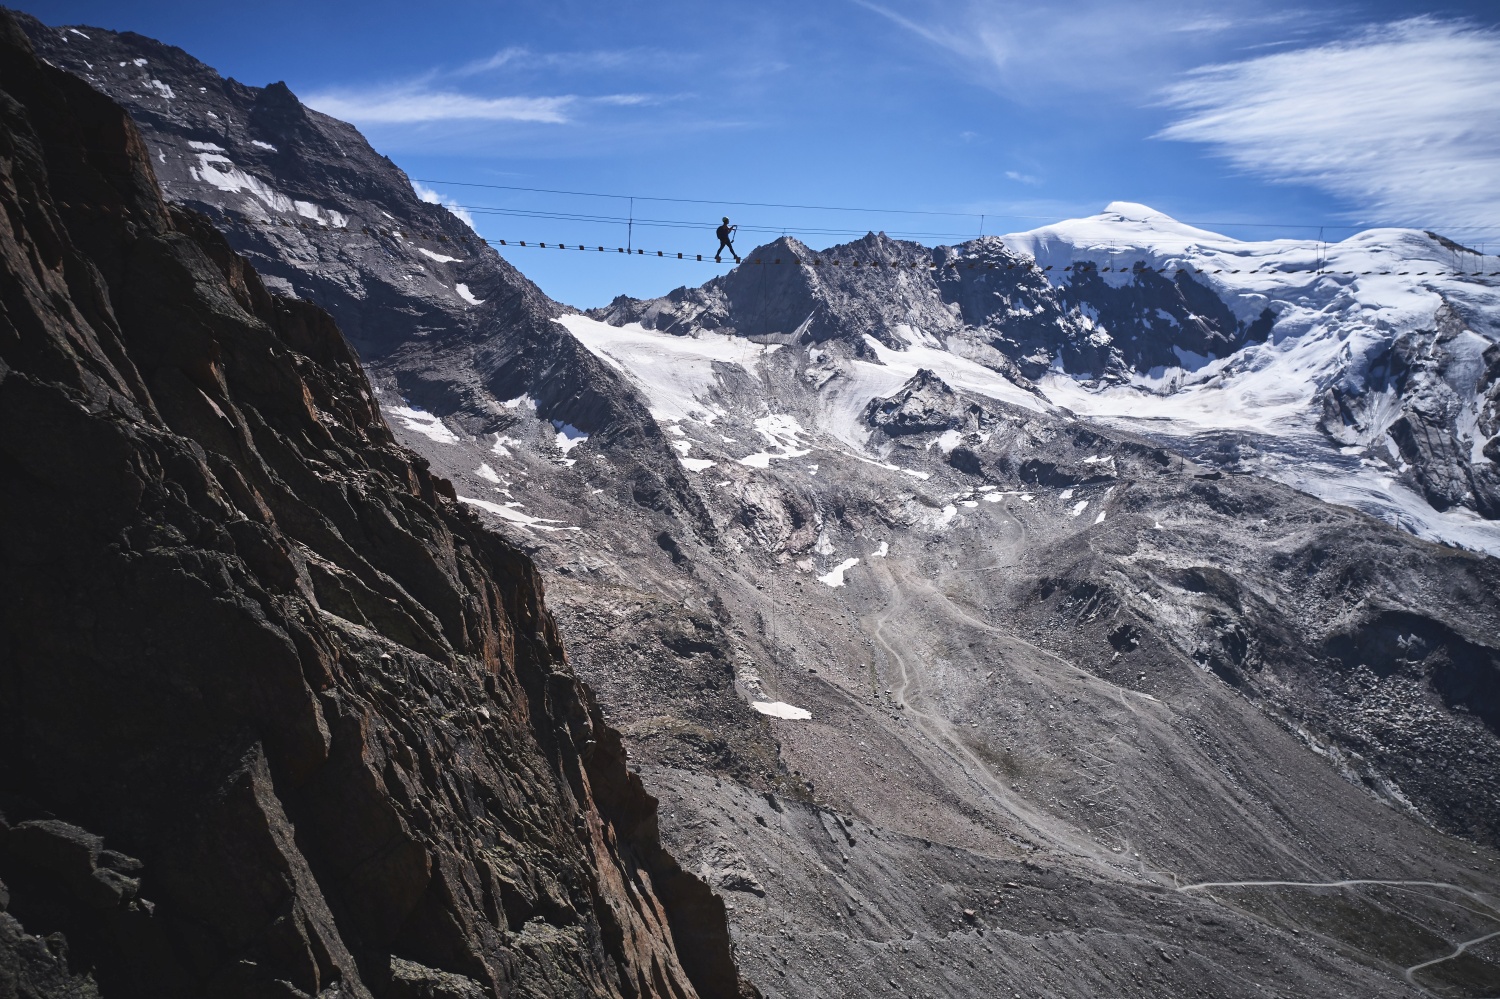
(409, 104)
(517, 57)
(505, 57)
(1123, 47)
(432, 197)
(626, 100)
(1403, 120)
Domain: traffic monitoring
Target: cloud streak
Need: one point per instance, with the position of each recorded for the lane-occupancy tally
(412, 105)
(519, 58)
(1120, 47)
(1401, 120)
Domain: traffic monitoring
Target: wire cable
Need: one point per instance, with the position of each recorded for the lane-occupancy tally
(917, 211)
(405, 234)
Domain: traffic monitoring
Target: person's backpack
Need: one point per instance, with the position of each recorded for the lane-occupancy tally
(723, 233)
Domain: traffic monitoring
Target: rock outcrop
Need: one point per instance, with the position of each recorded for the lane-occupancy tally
(1432, 391)
(926, 404)
(277, 716)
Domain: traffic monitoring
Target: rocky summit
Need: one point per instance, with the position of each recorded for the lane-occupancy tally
(280, 717)
(1102, 610)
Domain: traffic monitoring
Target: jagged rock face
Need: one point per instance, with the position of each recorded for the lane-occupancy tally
(438, 317)
(1156, 319)
(926, 404)
(871, 287)
(324, 217)
(1488, 416)
(299, 192)
(277, 717)
(1010, 305)
(1430, 391)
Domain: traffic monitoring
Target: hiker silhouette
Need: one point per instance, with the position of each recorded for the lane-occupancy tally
(725, 233)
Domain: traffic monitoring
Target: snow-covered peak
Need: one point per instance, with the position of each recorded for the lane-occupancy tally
(1122, 230)
(1127, 233)
(1134, 211)
(1136, 217)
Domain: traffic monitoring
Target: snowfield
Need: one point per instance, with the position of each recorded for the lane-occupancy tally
(1331, 328)
(673, 373)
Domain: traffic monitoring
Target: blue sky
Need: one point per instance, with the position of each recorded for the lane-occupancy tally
(1256, 118)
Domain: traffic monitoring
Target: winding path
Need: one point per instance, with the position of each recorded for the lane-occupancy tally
(1410, 972)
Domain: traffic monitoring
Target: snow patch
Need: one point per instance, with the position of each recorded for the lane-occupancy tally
(924, 476)
(488, 474)
(835, 576)
(508, 512)
(782, 432)
(676, 374)
(219, 171)
(467, 295)
(696, 464)
(263, 145)
(422, 422)
(780, 709)
(948, 440)
(568, 436)
(439, 257)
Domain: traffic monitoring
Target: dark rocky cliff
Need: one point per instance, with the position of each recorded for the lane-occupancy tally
(277, 717)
